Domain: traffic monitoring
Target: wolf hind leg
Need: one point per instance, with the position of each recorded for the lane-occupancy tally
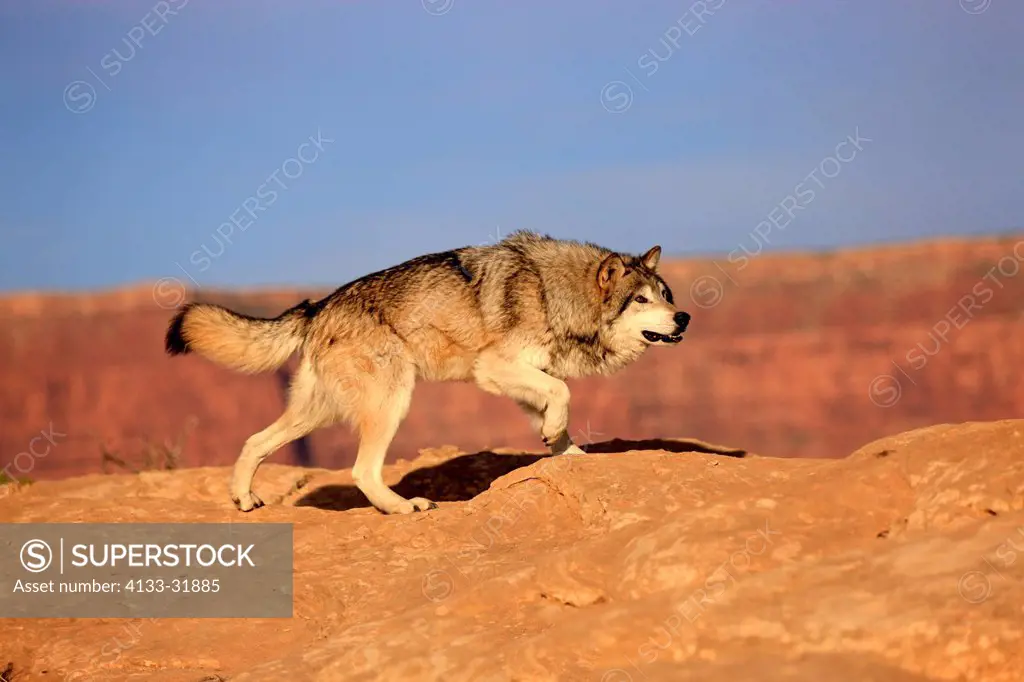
(384, 402)
(306, 411)
(544, 398)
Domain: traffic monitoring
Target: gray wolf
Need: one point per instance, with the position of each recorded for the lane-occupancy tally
(518, 318)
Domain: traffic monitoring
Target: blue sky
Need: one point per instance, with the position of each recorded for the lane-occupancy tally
(454, 122)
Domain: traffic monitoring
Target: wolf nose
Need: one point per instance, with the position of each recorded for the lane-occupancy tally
(682, 319)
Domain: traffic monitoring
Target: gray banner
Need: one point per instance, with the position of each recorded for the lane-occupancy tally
(146, 570)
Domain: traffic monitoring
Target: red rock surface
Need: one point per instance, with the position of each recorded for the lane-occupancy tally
(782, 364)
(903, 562)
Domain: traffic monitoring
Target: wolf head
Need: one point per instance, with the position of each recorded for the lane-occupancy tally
(637, 305)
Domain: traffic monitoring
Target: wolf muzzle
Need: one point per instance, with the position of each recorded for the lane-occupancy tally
(682, 321)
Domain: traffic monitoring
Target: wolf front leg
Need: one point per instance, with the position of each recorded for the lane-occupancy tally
(544, 398)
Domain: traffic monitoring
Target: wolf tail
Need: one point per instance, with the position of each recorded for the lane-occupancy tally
(239, 342)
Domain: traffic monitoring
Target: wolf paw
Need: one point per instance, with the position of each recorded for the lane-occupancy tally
(554, 441)
(247, 502)
(562, 445)
(416, 504)
(554, 435)
(422, 504)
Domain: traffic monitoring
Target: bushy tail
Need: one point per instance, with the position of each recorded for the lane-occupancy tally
(239, 342)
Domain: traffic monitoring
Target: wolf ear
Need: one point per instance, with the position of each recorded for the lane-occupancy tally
(612, 268)
(651, 258)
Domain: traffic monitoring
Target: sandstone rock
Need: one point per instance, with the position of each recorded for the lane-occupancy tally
(902, 562)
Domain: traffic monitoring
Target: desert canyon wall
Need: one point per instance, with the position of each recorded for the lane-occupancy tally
(787, 355)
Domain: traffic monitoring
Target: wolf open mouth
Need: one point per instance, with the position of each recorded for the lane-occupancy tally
(655, 337)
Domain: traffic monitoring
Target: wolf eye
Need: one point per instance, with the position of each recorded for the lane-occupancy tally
(641, 299)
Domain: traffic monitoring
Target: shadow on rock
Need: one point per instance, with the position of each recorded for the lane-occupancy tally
(464, 477)
(673, 445)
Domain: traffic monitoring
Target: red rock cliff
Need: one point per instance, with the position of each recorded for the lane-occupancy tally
(793, 355)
